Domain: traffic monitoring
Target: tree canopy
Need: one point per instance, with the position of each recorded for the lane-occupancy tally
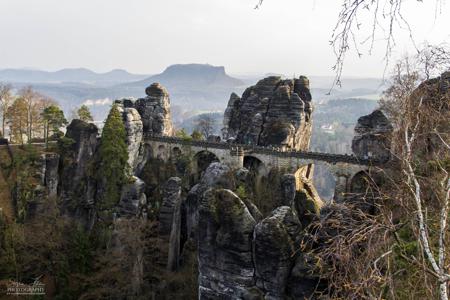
(84, 114)
(113, 166)
(53, 120)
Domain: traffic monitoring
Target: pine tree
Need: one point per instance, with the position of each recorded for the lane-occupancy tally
(84, 114)
(113, 160)
(53, 120)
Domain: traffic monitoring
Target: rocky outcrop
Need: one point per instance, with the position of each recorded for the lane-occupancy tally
(242, 255)
(225, 247)
(373, 137)
(287, 190)
(170, 221)
(171, 199)
(145, 116)
(303, 280)
(134, 128)
(77, 194)
(217, 175)
(274, 247)
(307, 202)
(153, 111)
(45, 191)
(50, 179)
(273, 112)
(429, 100)
(132, 199)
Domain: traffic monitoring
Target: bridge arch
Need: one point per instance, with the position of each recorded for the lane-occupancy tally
(176, 152)
(255, 165)
(359, 183)
(161, 152)
(201, 161)
(324, 180)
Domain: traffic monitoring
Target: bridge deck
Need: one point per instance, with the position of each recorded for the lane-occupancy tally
(327, 157)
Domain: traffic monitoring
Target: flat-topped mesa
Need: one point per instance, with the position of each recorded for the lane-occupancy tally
(154, 110)
(274, 112)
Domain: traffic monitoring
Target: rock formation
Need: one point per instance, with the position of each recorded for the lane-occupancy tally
(274, 247)
(50, 179)
(46, 186)
(135, 130)
(144, 116)
(170, 220)
(241, 255)
(373, 137)
(132, 199)
(271, 113)
(217, 175)
(225, 247)
(433, 96)
(154, 110)
(77, 194)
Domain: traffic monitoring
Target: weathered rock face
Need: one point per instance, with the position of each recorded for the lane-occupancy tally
(170, 221)
(304, 280)
(134, 129)
(287, 189)
(171, 198)
(76, 164)
(373, 137)
(51, 173)
(217, 175)
(153, 110)
(241, 254)
(273, 112)
(47, 187)
(225, 247)
(307, 202)
(432, 95)
(274, 246)
(132, 199)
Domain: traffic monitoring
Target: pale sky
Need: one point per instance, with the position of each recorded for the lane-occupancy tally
(145, 36)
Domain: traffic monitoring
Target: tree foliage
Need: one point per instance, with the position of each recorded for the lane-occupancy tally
(84, 114)
(197, 135)
(205, 125)
(17, 119)
(183, 134)
(54, 119)
(113, 160)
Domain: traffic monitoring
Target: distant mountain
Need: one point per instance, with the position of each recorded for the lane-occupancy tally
(192, 75)
(192, 86)
(79, 75)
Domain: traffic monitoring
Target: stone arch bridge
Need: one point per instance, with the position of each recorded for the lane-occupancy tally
(344, 168)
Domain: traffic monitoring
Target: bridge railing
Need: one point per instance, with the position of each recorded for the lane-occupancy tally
(327, 157)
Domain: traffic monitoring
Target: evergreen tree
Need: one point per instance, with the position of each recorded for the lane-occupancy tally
(84, 114)
(53, 120)
(113, 156)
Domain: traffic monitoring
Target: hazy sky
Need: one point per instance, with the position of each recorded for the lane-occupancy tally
(145, 36)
